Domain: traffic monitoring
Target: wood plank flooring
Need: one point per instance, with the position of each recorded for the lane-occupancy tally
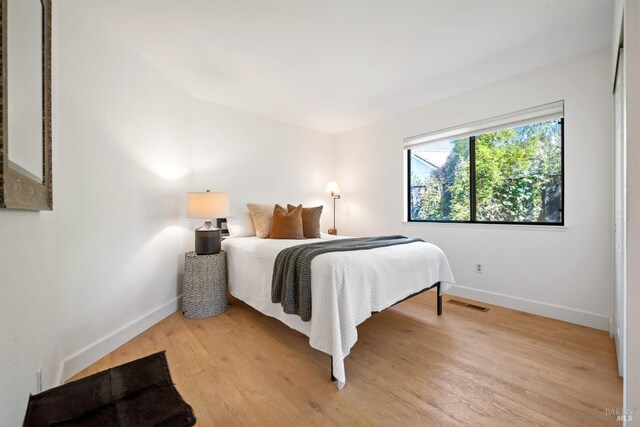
(409, 368)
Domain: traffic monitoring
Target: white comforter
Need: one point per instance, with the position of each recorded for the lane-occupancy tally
(345, 286)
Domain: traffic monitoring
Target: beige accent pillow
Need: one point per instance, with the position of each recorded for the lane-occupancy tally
(310, 221)
(287, 225)
(261, 215)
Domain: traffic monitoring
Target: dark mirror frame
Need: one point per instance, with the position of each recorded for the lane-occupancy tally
(17, 190)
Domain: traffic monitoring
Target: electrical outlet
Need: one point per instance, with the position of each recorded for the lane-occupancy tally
(478, 268)
(39, 380)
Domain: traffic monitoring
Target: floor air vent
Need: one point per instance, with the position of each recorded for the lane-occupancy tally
(467, 305)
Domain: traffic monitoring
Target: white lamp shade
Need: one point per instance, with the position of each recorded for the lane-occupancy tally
(207, 205)
(332, 187)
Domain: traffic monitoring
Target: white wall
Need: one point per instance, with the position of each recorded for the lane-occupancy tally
(632, 47)
(260, 160)
(121, 164)
(106, 263)
(29, 315)
(109, 252)
(562, 273)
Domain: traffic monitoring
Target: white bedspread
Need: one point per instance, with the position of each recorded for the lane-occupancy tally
(345, 286)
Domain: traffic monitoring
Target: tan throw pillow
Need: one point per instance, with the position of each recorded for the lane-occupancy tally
(287, 225)
(261, 215)
(310, 221)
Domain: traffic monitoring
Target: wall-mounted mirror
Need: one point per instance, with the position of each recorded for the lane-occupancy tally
(25, 134)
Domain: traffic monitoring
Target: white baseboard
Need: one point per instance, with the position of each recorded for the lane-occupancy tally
(619, 352)
(59, 375)
(105, 345)
(612, 327)
(554, 311)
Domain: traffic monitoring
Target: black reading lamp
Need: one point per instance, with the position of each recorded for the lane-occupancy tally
(334, 190)
(208, 206)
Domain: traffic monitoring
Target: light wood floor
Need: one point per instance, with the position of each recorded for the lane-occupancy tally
(409, 367)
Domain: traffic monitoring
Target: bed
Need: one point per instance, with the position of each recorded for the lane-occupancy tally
(346, 287)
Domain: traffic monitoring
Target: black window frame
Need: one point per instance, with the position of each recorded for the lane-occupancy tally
(472, 189)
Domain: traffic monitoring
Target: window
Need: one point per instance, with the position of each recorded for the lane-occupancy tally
(509, 171)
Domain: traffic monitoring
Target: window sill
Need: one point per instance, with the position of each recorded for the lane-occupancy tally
(518, 227)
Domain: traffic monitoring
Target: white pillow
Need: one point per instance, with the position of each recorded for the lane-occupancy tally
(240, 224)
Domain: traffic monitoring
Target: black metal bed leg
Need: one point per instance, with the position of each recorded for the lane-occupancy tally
(332, 377)
(439, 300)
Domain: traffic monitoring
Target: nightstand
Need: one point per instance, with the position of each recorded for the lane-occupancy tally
(205, 285)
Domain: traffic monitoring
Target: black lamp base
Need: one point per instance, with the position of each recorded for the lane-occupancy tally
(208, 239)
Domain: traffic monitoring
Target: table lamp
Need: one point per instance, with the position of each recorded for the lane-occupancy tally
(208, 206)
(334, 190)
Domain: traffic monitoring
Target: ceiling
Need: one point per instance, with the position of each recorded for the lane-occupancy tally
(337, 65)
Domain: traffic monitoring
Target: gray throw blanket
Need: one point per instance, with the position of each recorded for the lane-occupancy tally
(291, 281)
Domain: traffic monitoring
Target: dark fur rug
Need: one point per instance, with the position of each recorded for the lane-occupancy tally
(138, 393)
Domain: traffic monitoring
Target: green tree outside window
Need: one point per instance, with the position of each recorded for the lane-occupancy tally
(518, 177)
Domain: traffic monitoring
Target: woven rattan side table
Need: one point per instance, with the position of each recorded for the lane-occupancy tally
(205, 285)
